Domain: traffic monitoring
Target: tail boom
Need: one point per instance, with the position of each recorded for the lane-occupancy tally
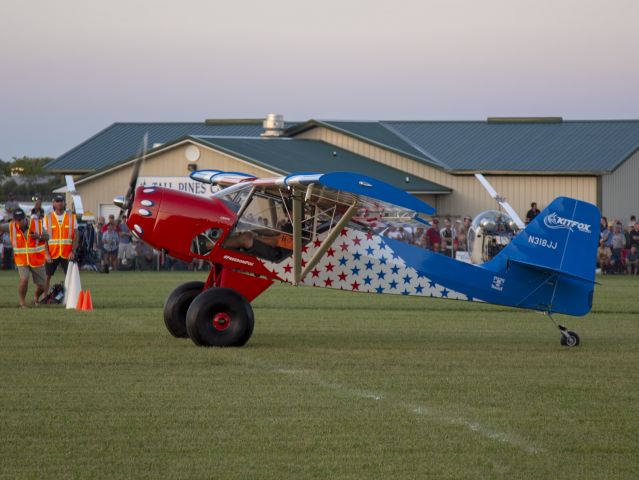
(549, 267)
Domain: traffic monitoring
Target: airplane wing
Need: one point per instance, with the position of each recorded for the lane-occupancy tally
(324, 204)
(369, 192)
(378, 204)
(342, 187)
(223, 179)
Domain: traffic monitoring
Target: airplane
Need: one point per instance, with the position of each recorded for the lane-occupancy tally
(330, 230)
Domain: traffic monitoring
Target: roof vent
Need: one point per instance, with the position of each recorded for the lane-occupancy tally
(273, 125)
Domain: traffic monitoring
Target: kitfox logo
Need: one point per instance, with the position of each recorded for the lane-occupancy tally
(554, 221)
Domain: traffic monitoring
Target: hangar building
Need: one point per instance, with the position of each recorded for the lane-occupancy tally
(526, 159)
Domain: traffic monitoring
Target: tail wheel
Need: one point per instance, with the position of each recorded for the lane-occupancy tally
(220, 317)
(176, 306)
(569, 339)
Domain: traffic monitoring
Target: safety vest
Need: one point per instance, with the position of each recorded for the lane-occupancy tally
(60, 235)
(27, 250)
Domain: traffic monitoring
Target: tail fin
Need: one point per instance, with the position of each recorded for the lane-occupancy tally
(562, 243)
(563, 239)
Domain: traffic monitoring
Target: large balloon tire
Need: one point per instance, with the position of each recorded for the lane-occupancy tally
(176, 306)
(220, 317)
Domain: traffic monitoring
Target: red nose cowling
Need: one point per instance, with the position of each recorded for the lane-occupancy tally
(168, 219)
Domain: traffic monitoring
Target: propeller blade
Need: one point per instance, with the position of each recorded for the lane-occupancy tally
(77, 200)
(511, 211)
(501, 200)
(126, 202)
(489, 188)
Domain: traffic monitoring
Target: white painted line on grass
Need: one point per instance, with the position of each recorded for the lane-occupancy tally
(413, 408)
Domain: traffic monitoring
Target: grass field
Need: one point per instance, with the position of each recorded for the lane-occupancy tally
(331, 385)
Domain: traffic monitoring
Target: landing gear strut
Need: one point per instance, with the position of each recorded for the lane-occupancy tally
(568, 337)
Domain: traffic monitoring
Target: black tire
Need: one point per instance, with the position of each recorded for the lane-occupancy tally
(220, 317)
(571, 341)
(176, 306)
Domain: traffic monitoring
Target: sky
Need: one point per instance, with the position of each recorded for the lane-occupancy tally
(70, 68)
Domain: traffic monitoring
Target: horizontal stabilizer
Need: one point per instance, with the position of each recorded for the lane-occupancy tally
(547, 269)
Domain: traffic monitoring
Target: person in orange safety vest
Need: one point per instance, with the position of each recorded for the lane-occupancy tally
(28, 238)
(63, 237)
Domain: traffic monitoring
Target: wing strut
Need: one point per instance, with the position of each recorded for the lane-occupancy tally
(297, 237)
(328, 241)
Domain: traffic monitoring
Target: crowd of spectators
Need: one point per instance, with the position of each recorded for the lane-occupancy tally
(618, 247)
(103, 246)
(447, 240)
(108, 244)
(618, 251)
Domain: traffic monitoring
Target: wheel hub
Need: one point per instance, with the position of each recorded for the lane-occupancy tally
(221, 321)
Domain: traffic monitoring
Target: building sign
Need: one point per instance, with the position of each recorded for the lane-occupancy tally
(182, 184)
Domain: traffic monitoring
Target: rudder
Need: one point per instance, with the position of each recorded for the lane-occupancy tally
(555, 256)
(563, 238)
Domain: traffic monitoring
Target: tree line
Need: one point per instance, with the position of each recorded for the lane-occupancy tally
(24, 177)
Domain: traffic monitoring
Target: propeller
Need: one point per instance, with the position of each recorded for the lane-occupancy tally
(500, 200)
(125, 202)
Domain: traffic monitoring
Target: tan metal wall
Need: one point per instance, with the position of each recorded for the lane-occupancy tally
(172, 162)
(620, 191)
(469, 197)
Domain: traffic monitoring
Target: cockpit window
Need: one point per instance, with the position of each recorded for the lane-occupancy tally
(204, 242)
(266, 211)
(264, 228)
(235, 196)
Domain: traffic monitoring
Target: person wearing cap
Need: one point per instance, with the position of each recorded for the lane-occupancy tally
(63, 237)
(29, 240)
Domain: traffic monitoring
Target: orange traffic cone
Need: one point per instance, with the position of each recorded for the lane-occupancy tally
(80, 301)
(88, 303)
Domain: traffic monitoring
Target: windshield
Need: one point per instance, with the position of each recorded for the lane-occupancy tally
(235, 196)
(264, 227)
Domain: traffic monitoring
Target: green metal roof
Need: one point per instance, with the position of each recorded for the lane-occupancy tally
(372, 132)
(517, 145)
(286, 155)
(122, 141)
(564, 146)
(498, 145)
